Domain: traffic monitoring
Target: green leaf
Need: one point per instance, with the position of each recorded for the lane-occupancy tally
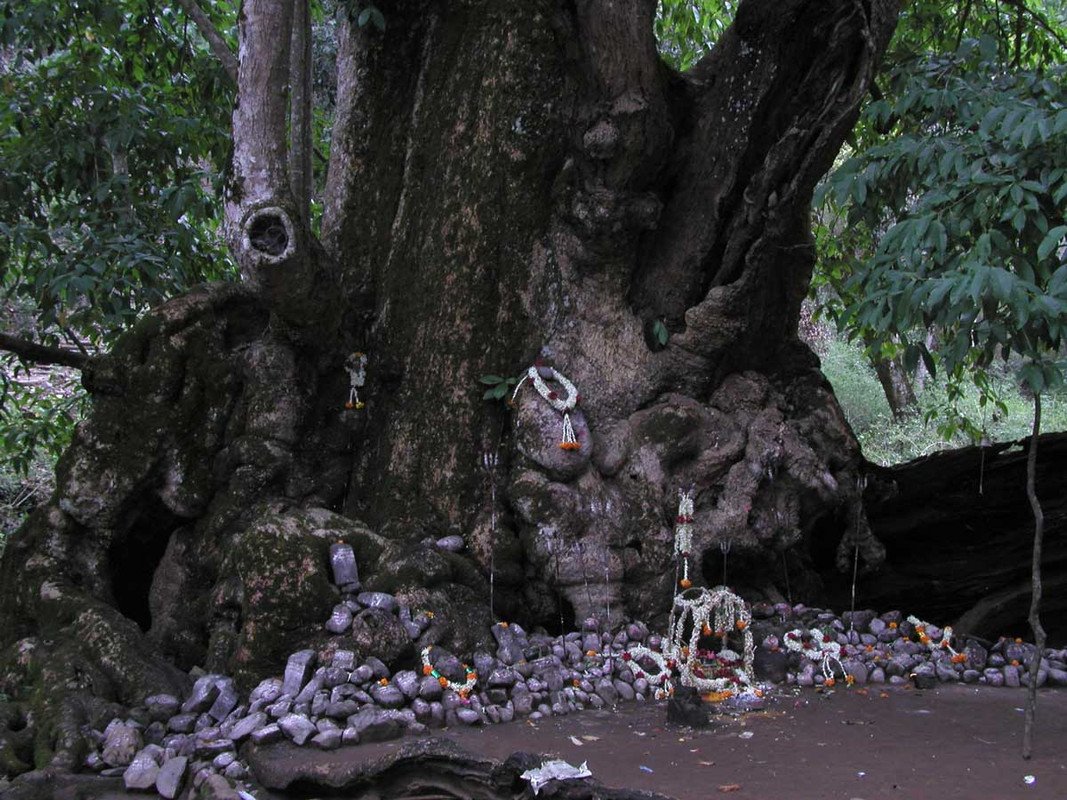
(491, 380)
(1051, 241)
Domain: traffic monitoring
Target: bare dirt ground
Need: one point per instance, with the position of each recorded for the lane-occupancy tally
(949, 742)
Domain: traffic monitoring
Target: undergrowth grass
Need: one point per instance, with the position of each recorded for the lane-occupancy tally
(886, 440)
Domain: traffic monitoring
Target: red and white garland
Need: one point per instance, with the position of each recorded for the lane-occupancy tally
(710, 612)
(563, 405)
(683, 534)
(822, 648)
(356, 367)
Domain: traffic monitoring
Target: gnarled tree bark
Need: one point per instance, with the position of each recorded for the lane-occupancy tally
(508, 180)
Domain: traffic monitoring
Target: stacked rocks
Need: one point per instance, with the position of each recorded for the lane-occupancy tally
(332, 698)
(884, 649)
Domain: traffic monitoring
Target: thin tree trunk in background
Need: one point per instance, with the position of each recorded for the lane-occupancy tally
(1035, 598)
(300, 176)
(896, 385)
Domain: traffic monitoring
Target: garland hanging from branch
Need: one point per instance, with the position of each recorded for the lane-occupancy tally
(683, 535)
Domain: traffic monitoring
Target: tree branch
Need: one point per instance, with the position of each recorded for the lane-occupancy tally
(300, 176)
(211, 34)
(42, 353)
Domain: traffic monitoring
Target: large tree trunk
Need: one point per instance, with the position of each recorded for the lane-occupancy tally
(508, 180)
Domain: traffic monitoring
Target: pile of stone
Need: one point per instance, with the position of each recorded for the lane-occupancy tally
(884, 649)
(331, 698)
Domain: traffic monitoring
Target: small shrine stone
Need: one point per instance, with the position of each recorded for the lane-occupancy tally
(171, 777)
(343, 565)
(408, 683)
(378, 667)
(297, 671)
(268, 690)
(375, 725)
(344, 659)
(468, 716)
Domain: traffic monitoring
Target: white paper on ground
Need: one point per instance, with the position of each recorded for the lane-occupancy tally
(556, 770)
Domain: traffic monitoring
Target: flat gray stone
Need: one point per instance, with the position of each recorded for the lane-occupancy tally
(267, 735)
(121, 744)
(382, 600)
(340, 620)
(141, 774)
(203, 694)
(249, 725)
(226, 701)
(162, 707)
(297, 727)
(298, 671)
(451, 544)
(171, 777)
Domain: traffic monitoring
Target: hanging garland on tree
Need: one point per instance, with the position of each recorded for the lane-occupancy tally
(356, 366)
(564, 405)
(683, 535)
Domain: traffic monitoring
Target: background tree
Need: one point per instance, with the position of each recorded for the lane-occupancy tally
(973, 235)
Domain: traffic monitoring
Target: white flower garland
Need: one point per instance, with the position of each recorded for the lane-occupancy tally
(560, 404)
(462, 689)
(945, 642)
(683, 534)
(356, 366)
(711, 612)
(821, 648)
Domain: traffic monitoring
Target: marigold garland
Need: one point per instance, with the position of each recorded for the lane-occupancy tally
(945, 643)
(718, 610)
(560, 404)
(462, 689)
(821, 648)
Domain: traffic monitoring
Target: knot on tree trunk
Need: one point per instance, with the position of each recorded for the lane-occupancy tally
(268, 237)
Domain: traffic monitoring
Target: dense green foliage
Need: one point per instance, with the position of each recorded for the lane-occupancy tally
(965, 207)
(116, 125)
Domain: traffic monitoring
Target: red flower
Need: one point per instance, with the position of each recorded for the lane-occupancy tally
(552, 395)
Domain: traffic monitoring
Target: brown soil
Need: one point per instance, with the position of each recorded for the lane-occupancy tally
(951, 742)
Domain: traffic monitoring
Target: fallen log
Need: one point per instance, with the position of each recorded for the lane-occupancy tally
(958, 531)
